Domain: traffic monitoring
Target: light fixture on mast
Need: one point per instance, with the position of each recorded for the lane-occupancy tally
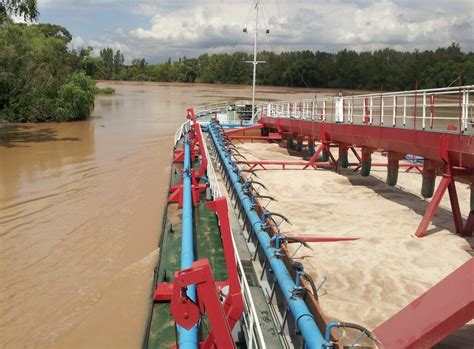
(255, 62)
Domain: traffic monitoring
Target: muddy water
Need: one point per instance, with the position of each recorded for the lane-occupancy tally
(80, 216)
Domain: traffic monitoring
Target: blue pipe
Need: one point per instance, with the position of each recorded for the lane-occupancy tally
(329, 327)
(304, 319)
(230, 125)
(187, 338)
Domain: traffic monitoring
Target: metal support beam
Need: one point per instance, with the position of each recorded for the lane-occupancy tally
(438, 312)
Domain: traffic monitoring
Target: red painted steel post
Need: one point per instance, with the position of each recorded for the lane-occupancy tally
(469, 228)
(233, 305)
(312, 161)
(453, 197)
(433, 206)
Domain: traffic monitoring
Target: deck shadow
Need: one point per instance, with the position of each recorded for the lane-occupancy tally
(405, 198)
(394, 194)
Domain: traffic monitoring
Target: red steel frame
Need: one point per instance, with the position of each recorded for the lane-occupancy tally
(406, 141)
(448, 305)
(222, 316)
(197, 147)
(456, 151)
(186, 313)
(441, 310)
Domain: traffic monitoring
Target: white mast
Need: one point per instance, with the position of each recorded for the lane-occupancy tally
(255, 59)
(255, 62)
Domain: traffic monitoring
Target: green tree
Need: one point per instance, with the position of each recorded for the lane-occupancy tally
(75, 97)
(107, 55)
(139, 70)
(35, 63)
(392, 69)
(118, 64)
(28, 9)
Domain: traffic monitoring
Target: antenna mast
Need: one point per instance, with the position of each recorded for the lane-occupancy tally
(255, 62)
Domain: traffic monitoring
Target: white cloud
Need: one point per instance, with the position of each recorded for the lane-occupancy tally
(190, 28)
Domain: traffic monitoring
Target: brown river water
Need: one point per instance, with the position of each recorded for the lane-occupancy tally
(81, 205)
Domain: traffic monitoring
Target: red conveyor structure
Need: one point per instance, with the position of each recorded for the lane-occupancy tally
(436, 125)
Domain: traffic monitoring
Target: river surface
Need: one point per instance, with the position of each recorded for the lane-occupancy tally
(81, 205)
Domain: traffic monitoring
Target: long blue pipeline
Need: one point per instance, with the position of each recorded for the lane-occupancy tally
(187, 338)
(236, 125)
(304, 319)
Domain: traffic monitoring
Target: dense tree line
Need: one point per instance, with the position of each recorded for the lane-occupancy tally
(43, 79)
(392, 69)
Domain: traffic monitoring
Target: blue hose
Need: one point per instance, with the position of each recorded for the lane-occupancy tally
(187, 338)
(304, 319)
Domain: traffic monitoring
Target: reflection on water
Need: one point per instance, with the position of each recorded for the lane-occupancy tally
(80, 216)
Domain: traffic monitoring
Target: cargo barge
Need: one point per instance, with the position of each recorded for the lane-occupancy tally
(226, 277)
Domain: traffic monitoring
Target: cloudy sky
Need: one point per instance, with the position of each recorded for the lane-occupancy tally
(160, 29)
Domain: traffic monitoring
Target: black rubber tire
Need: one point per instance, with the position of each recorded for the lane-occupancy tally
(428, 187)
(290, 143)
(392, 176)
(344, 161)
(365, 168)
(324, 156)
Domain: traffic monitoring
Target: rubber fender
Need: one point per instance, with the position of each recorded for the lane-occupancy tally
(299, 146)
(290, 143)
(324, 156)
(428, 187)
(392, 176)
(366, 167)
(344, 160)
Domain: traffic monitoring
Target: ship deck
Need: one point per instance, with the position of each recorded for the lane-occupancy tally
(161, 330)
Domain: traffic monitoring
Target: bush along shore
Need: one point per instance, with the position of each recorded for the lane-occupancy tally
(41, 79)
